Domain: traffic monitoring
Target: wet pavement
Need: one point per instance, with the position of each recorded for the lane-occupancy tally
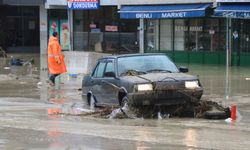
(34, 115)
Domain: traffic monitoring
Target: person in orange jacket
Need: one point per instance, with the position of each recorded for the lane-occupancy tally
(56, 62)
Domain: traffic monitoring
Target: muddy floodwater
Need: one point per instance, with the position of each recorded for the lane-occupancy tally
(34, 115)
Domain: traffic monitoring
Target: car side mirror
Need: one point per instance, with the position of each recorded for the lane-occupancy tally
(183, 69)
(109, 74)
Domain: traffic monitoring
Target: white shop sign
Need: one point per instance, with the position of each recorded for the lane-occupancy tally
(232, 1)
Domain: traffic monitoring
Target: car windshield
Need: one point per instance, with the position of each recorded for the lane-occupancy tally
(146, 64)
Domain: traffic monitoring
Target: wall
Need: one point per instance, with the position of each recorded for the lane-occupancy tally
(81, 62)
(23, 2)
(57, 2)
(64, 2)
(129, 2)
(43, 29)
(108, 2)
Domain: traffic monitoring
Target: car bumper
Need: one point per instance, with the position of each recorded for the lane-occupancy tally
(169, 97)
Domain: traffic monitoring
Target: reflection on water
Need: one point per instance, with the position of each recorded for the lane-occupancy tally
(191, 139)
(213, 79)
(53, 131)
(142, 135)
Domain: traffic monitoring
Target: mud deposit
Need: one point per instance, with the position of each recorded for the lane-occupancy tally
(203, 109)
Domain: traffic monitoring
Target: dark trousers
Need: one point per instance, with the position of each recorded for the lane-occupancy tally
(53, 77)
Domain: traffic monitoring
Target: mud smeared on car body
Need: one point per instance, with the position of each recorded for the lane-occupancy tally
(140, 80)
(151, 85)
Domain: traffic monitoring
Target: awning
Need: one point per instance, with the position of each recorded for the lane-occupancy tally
(233, 10)
(164, 11)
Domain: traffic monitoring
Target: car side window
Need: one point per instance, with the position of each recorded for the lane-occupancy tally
(99, 70)
(109, 70)
(109, 67)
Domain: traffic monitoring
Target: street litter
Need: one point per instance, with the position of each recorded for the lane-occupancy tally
(6, 68)
(39, 83)
(123, 112)
(20, 62)
(73, 75)
(23, 82)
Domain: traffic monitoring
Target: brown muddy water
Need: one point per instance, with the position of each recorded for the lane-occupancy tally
(34, 115)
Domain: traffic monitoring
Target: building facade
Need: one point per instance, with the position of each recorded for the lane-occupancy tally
(19, 25)
(188, 31)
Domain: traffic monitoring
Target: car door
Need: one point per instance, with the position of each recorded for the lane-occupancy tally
(96, 80)
(109, 83)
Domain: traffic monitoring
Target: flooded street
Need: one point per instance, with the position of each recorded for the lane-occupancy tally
(34, 115)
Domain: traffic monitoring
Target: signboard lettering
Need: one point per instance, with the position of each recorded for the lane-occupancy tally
(232, 1)
(111, 28)
(83, 4)
(157, 15)
(229, 14)
(173, 15)
(144, 15)
(191, 28)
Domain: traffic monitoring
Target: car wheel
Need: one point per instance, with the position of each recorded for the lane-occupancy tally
(124, 101)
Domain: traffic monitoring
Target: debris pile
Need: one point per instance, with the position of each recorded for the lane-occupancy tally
(203, 109)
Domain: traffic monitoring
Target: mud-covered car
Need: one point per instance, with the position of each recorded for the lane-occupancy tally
(140, 79)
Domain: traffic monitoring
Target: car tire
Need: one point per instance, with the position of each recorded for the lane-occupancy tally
(216, 115)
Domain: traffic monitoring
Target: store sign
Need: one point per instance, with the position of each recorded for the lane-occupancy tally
(159, 15)
(211, 32)
(83, 4)
(92, 26)
(232, 14)
(232, 1)
(191, 28)
(111, 28)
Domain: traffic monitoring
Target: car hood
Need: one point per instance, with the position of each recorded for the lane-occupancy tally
(153, 77)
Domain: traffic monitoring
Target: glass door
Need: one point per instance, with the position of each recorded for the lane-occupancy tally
(151, 35)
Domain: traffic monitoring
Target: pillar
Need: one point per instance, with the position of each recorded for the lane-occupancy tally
(141, 36)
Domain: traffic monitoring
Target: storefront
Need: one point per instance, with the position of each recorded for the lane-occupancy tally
(192, 40)
(19, 28)
(189, 33)
(238, 15)
(102, 30)
(96, 26)
(58, 21)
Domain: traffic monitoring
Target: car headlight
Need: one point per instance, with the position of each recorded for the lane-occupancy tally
(144, 87)
(191, 84)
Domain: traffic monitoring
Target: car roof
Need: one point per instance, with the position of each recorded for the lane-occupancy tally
(129, 55)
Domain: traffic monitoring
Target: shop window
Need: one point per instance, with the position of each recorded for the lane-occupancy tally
(103, 31)
(152, 35)
(81, 28)
(241, 34)
(22, 25)
(199, 34)
(128, 36)
(212, 38)
(181, 35)
(58, 21)
(196, 35)
(166, 35)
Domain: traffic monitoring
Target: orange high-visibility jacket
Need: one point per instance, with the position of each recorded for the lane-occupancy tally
(55, 57)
